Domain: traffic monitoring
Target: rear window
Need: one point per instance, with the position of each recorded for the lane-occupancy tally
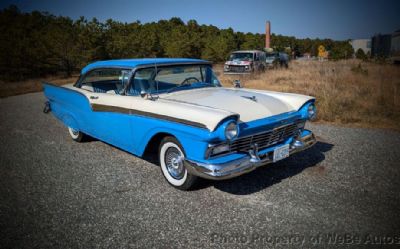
(103, 75)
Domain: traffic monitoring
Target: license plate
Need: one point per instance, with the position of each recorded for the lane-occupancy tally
(281, 152)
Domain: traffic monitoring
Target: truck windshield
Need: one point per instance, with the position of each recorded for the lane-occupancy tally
(272, 56)
(173, 78)
(241, 57)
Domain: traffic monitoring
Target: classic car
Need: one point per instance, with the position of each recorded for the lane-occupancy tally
(245, 62)
(177, 109)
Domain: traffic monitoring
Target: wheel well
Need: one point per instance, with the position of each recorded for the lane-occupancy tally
(152, 146)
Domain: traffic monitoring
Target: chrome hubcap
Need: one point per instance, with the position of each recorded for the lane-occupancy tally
(174, 163)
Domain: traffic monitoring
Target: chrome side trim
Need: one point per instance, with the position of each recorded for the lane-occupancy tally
(122, 110)
(241, 166)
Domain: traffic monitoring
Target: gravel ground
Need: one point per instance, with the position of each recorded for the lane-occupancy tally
(55, 193)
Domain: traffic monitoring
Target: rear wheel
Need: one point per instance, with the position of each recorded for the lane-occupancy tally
(171, 157)
(76, 135)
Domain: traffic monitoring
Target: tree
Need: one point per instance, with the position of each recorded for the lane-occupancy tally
(38, 43)
(360, 54)
(341, 50)
(218, 48)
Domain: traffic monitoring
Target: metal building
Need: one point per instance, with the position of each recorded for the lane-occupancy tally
(381, 45)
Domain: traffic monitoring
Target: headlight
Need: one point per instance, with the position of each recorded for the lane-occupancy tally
(226, 66)
(231, 131)
(301, 125)
(247, 67)
(312, 112)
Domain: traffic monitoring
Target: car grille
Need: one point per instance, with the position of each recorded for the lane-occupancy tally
(234, 68)
(264, 139)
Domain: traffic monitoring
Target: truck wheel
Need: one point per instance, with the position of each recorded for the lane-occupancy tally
(76, 135)
(172, 156)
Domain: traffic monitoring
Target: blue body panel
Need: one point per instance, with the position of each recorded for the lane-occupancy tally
(74, 110)
(129, 132)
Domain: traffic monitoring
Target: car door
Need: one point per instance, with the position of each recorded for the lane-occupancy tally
(110, 117)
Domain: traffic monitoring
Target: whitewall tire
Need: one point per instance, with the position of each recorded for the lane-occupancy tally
(76, 135)
(171, 157)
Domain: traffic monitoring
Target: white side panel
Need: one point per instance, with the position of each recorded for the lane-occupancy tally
(199, 114)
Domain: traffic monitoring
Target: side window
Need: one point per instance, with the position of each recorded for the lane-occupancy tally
(262, 56)
(107, 80)
(256, 57)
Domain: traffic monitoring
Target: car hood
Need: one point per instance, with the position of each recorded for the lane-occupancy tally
(249, 104)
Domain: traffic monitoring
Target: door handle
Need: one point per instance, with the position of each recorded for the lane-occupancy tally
(94, 97)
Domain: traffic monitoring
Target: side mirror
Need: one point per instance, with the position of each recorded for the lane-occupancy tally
(237, 84)
(148, 95)
(143, 94)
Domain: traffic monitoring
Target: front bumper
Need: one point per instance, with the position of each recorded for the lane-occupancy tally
(230, 72)
(246, 164)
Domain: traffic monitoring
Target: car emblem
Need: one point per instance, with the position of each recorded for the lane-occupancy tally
(253, 98)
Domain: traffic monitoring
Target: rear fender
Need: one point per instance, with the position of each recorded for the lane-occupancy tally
(66, 104)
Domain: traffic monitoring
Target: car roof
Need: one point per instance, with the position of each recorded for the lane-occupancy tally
(132, 63)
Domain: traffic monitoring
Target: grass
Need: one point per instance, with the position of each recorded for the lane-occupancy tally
(348, 92)
(33, 85)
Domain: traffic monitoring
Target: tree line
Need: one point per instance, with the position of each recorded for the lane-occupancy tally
(36, 44)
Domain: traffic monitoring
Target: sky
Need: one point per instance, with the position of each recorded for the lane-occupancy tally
(335, 19)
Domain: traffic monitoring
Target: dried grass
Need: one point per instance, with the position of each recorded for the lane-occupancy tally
(33, 85)
(347, 92)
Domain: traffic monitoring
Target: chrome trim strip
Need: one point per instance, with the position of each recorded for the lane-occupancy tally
(116, 109)
(240, 166)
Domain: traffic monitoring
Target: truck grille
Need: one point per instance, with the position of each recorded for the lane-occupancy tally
(264, 139)
(238, 69)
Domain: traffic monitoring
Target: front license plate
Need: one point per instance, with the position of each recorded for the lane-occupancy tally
(281, 152)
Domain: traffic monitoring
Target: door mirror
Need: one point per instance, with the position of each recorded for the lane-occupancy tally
(143, 94)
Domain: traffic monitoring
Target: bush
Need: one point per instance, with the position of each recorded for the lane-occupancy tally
(361, 55)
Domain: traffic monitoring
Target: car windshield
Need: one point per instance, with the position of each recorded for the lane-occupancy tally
(172, 78)
(241, 57)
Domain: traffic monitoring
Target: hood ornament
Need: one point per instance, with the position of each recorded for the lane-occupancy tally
(253, 98)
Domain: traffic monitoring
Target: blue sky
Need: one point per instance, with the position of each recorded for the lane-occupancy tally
(336, 19)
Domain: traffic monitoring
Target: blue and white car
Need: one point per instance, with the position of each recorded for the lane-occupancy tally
(178, 109)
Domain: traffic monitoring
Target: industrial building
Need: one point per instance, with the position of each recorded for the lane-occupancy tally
(395, 46)
(387, 45)
(380, 45)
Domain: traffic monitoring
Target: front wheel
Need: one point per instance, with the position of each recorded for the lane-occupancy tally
(76, 135)
(171, 157)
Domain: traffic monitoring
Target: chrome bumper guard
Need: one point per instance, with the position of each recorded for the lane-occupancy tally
(246, 164)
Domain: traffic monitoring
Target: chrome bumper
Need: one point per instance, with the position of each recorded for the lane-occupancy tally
(235, 73)
(246, 164)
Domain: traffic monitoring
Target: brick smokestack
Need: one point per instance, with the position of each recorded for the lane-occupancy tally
(268, 35)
